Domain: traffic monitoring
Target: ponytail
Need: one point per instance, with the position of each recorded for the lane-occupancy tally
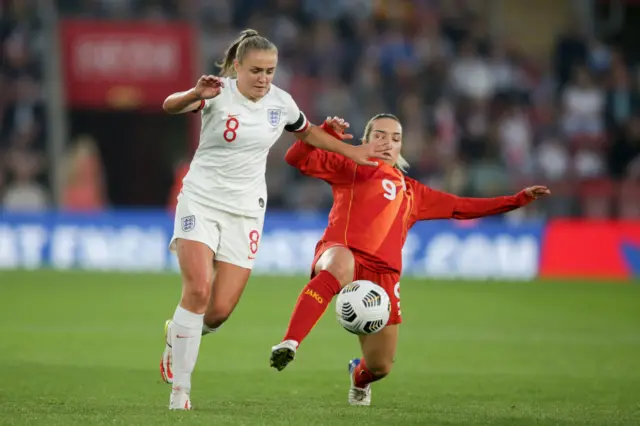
(249, 40)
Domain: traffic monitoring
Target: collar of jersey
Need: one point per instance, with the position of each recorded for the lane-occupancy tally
(389, 167)
(243, 100)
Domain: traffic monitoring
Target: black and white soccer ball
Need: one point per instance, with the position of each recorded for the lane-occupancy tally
(363, 307)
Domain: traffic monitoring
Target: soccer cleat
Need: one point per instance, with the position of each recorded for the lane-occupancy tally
(358, 396)
(283, 353)
(179, 399)
(165, 362)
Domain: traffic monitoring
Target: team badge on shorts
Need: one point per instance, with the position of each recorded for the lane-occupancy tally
(188, 223)
(273, 115)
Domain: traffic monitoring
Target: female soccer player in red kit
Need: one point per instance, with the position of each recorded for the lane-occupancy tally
(373, 210)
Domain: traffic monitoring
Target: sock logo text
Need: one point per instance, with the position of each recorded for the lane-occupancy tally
(315, 295)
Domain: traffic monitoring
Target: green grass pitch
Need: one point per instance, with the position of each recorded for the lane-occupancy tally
(83, 349)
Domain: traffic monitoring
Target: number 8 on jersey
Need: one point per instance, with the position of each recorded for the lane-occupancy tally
(230, 129)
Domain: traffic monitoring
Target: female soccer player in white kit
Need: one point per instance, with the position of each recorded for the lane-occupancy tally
(220, 210)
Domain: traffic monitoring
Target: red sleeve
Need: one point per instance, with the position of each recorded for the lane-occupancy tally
(315, 162)
(432, 204)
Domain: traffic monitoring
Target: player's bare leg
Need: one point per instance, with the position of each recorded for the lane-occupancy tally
(378, 351)
(229, 282)
(184, 331)
(333, 271)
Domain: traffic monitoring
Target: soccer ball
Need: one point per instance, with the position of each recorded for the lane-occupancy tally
(363, 307)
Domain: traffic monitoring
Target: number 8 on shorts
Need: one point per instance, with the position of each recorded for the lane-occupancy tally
(254, 240)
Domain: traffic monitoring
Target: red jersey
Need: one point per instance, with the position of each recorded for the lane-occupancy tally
(374, 207)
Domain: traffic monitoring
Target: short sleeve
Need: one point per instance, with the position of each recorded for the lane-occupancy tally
(296, 120)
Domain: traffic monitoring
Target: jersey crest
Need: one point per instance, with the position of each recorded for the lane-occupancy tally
(274, 115)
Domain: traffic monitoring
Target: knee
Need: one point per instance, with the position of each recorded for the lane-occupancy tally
(339, 262)
(342, 273)
(197, 290)
(218, 315)
(380, 370)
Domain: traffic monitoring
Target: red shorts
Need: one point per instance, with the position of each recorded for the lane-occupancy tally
(389, 281)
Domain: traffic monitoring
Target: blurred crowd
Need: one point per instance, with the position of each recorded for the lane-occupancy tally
(481, 117)
(23, 165)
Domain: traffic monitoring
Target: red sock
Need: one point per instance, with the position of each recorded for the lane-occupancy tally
(312, 303)
(362, 376)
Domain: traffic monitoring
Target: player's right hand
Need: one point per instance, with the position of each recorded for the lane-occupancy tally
(377, 149)
(337, 124)
(208, 86)
(361, 154)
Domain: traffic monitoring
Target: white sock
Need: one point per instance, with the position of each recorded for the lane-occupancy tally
(207, 330)
(186, 333)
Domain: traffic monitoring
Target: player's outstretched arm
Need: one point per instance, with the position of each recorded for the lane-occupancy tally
(361, 154)
(207, 87)
(433, 204)
(472, 208)
(315, 162)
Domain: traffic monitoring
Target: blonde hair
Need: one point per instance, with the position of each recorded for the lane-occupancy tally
(249, 40)
(401, 163)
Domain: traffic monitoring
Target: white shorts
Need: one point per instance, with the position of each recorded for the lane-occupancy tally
(233, 238)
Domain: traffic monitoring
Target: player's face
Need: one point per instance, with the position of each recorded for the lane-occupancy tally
(389, 130)
(256, 72)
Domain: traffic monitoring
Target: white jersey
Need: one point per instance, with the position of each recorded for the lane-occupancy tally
(228, 169)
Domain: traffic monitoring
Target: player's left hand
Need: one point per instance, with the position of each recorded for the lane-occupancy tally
(363, 154)
(360, 154)
(537, 191)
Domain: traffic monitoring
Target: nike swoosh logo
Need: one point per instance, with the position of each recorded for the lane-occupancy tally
(231, 116)
(183, 337)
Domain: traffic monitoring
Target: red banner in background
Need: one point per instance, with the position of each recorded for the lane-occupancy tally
(125, 64)
(591, 249)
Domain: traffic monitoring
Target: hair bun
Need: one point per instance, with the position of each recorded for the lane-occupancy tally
(249, 33)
